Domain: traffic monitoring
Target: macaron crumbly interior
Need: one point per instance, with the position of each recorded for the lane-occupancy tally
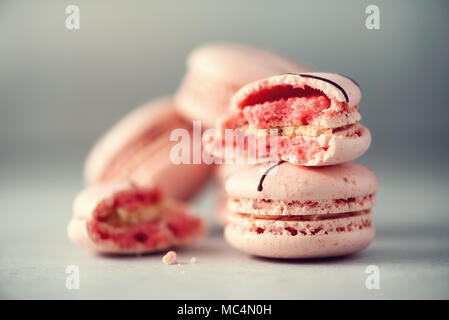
(143, 218)
(302, 120)
(289, 107)
(304, 147)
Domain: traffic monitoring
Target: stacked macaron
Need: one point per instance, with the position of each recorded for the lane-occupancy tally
(312, 202)
(215, 72)
(131, 203)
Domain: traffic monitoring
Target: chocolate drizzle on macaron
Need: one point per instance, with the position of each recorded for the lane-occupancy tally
(328, 81)
(260, 186)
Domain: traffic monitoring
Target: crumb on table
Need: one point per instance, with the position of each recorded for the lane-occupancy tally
(170, 258)
(193, 260)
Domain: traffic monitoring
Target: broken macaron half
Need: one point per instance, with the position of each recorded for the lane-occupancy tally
(121, 218)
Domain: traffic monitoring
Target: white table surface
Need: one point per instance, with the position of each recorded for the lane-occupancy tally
(411, 248)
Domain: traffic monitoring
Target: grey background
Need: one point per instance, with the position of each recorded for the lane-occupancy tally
(60, 89)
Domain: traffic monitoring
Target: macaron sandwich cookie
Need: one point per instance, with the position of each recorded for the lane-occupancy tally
(138, 148)
(312, 117)
(290, 211)
(121, 218)
(217, 70)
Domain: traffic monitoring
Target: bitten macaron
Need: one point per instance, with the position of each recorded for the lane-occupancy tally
(121, 218)
(215, 71)
(309, 119)
(289, 211)
(138, 148)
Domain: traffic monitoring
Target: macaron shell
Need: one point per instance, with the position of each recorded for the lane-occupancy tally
(335, 86)
(179, 181)
(203, 106)
(127, 129)
(351, 90)
(300, 239)
(224, 171)
(221, 174)
(152, 165)
(240, 64)
(288, 247)
(128, 151)
(291, 182)
(217, 70)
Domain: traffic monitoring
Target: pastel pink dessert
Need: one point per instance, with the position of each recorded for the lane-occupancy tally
(289, 211)
(121, 218)
(217, 70)
(138, 148)
(310, 118)
(222, 173)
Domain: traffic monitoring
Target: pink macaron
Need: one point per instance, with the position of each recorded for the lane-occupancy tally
(308, 119)
(222, 173)
(119, 217)
(217, 70)
(138, 148)
(289, 211)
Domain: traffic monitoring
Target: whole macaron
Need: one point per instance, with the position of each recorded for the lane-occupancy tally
(138, 148)
(216, 71)
(289, 211)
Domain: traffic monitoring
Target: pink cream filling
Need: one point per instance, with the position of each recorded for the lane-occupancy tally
(304, 149)
(167, 228)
